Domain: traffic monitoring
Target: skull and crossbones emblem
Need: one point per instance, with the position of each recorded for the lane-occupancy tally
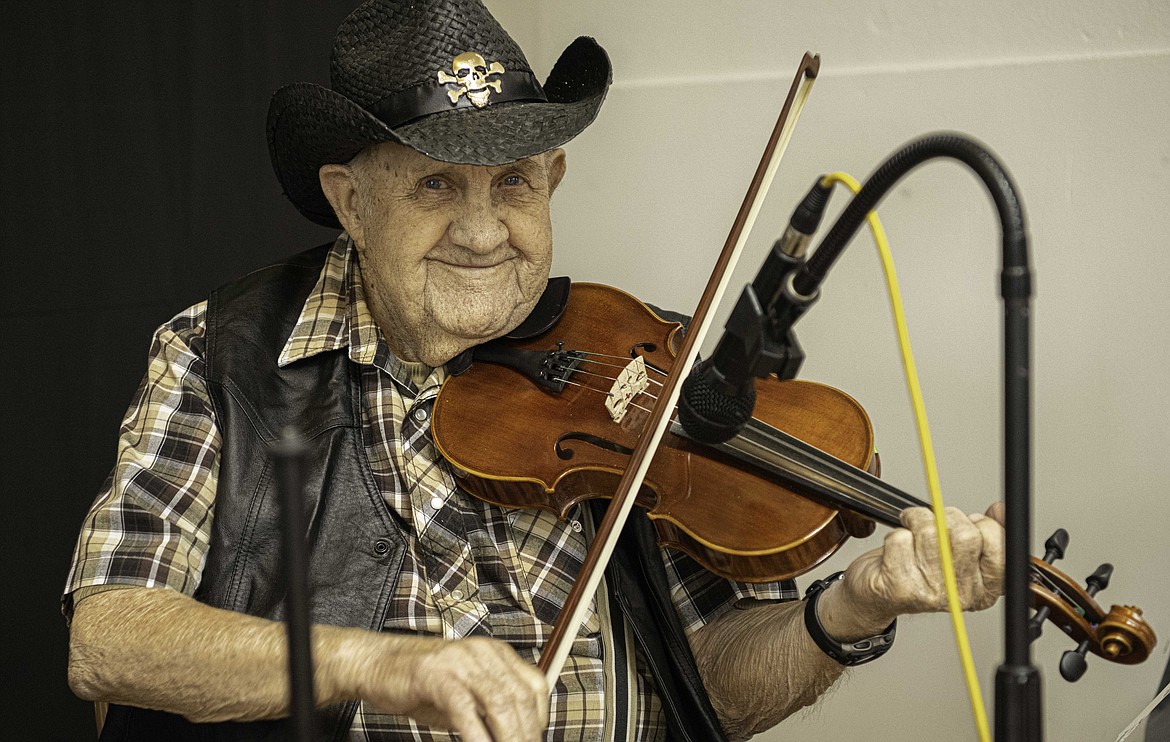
(470, 72)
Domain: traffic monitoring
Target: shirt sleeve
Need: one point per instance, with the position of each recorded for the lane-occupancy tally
(150, 525)
(701, 596)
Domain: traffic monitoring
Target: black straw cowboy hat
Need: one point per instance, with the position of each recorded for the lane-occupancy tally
(439, 76)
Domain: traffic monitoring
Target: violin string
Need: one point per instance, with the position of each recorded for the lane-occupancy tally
(575, 370)
(625, 360)
(846, 485)
(582, 355)
(1043, 579)
(647, 410)
(595, 375)
(1055, 588)
(623, 366)
(591, 373)
(583, 386)
(878, 503)
(889, 503)
(1047, 582)
(603, 363)
(598, 391)
(587, 387)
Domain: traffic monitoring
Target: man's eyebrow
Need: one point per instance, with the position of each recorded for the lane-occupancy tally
(423, 168)
(530, 166)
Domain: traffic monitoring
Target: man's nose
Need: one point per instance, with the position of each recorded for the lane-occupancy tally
(479, 226)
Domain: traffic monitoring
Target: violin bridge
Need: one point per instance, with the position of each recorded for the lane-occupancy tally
(631, 382)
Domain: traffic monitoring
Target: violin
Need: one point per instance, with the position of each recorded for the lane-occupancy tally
(575, 403)
(566, 398)
(562, 429)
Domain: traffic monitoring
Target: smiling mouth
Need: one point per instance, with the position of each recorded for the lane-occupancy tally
(472, 266)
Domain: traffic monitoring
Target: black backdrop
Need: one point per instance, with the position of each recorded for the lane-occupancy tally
(135, 179)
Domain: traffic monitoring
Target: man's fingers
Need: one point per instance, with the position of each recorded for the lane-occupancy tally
(966, 538)
(478, 687)
(517, 692)
(998, 512)
(917, 518)
(991, 561)
(540, 697)
(902, 581)
(976, 548)
(909, 576)
(463, 712)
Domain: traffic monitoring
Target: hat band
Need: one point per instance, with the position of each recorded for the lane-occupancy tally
(406, 105)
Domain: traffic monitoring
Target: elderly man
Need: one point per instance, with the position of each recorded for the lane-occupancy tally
(436, 151)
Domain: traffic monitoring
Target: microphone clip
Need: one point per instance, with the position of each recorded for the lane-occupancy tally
(767, 342)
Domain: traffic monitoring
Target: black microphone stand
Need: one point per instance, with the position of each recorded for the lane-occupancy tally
(289, 459)
(1017, 682)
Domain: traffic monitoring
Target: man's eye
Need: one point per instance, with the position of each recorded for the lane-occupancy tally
(512, 180)
(434, 184)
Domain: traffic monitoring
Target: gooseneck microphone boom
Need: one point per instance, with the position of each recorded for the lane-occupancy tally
(719, 394)
(1017, 682)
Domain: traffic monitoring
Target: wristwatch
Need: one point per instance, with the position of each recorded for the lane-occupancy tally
(847, 653)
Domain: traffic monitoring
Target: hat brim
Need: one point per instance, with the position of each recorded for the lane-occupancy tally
(310, 125)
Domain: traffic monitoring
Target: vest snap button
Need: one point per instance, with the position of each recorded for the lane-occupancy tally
(381, 546)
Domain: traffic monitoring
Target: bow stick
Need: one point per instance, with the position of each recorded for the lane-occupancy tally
(556, 651)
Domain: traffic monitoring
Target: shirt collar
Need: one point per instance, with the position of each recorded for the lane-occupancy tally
(335, 315)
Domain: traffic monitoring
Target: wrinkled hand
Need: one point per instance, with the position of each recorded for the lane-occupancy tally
(905, 575)
(476, 687)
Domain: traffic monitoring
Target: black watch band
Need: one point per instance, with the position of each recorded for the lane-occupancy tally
(851, 653)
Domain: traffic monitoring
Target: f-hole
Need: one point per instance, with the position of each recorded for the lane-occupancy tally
(566, 453)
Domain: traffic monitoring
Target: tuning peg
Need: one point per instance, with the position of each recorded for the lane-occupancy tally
(1036, 623)
(1055, 546)
(1054, 549)
(1072, 662)
(1099, 580)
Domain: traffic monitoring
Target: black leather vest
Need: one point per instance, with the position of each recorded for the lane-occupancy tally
(356, 546)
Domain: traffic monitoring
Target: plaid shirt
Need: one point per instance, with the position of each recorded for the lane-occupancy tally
(470, 569)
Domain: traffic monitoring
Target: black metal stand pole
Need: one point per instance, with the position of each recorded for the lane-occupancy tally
(289, 458)
(1018, 713)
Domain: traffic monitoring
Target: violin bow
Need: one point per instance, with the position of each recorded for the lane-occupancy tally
(556, 651)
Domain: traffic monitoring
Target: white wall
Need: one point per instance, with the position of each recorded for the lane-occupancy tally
(1073, 98)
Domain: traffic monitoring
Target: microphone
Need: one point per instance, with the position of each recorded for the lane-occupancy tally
(720, 393)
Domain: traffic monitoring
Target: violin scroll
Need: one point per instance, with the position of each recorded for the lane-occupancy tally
(1119, 635)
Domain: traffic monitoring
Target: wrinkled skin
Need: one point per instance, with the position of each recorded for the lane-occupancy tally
(451, 255)
(760, 665)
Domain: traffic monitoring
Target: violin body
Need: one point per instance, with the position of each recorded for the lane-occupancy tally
(522, 445)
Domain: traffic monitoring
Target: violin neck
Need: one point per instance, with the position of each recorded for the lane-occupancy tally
(809, 470)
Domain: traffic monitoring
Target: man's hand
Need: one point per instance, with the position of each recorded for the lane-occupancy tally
(905, 575)
(760, 665)
(476, 687)
(157, 648)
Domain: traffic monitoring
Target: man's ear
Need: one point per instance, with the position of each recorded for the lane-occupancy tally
(556, 168)
(338, 182)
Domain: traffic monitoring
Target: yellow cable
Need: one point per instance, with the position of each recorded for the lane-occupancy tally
(940, 519)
